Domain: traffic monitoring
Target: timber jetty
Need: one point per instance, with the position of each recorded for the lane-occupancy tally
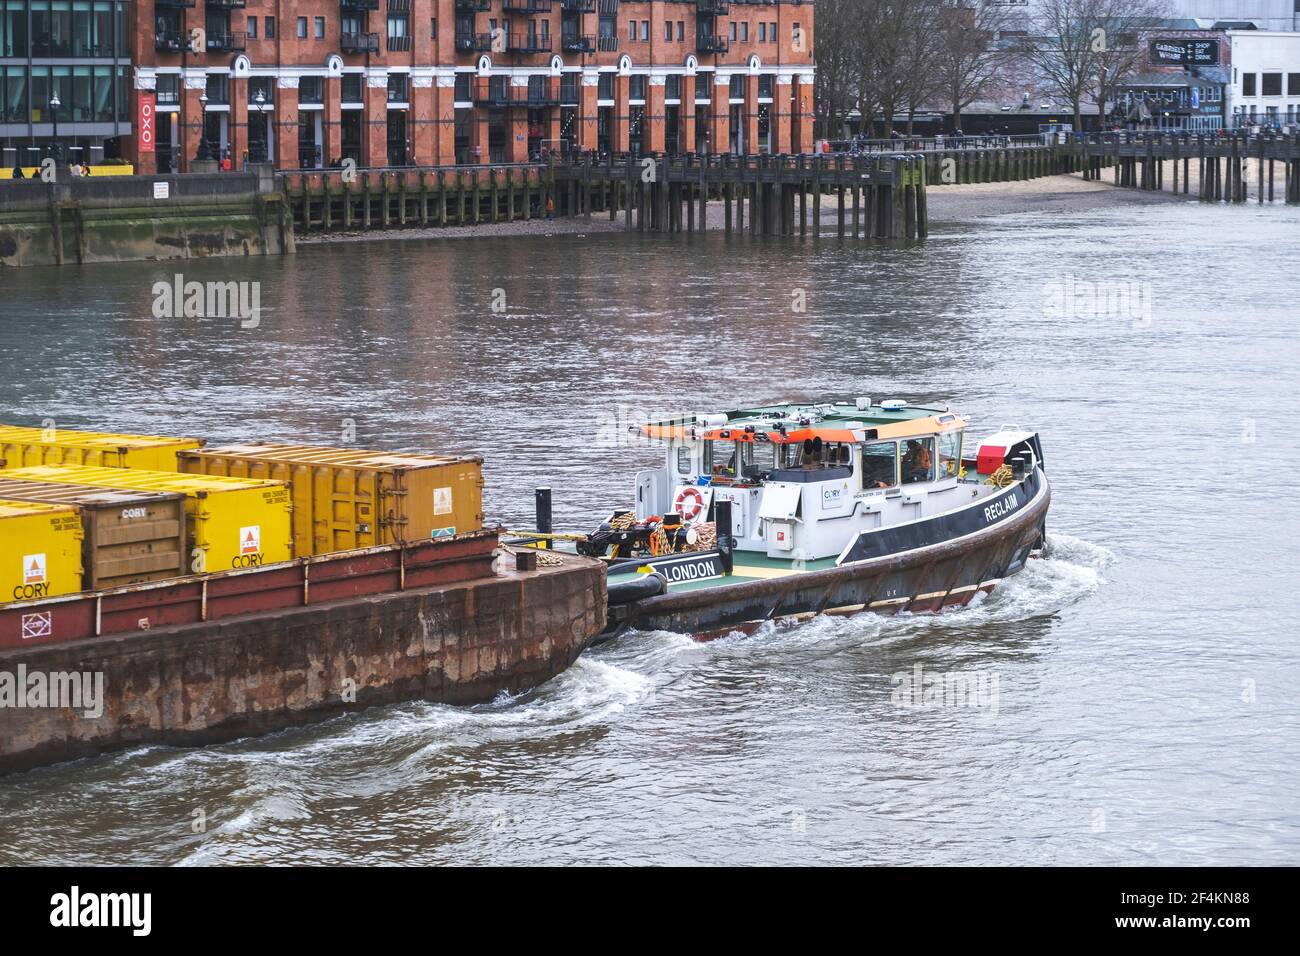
(1138, 161)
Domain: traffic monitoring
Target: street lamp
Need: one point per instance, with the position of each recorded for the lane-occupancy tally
(260, 100)
(54, 114)
(203, 120)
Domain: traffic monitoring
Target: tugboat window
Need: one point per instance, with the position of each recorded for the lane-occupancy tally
(724, 457)
(761, 458)
(918, 460)
(880, 464)
(683, 459)
(949, 454)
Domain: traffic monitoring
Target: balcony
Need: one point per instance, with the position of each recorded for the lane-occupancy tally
(399, 44)
(473, 42)
(515, 96)
(226, 4)
(359, 43)
(528, 43)
(708, 43)
(174, 4)
(607, 44)
(473, 6)
(227, 42)
(576, 44)
(358, 6)
(526, 6)
(578, 6)
(169, 41)
(711, 8)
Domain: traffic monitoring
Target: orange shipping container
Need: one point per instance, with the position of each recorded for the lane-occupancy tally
(345, 499)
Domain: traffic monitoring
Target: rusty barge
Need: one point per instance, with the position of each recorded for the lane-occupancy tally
(258, 587)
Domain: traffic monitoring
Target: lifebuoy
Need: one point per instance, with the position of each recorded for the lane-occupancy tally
(689, 503)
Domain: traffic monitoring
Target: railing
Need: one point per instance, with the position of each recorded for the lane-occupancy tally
(169, 41)
(578, 6)
(359, 6)
(607, 44)
(528, 43)
(516, 96)
(227, 43)
(859, 146)
(526, 6)
(359, 43)
(712, 8)
(399, 44)
(174, 3)
(576, 44)
(167, 97)
(473, 6)
(226, 4)
(473, 42)
(707, 43)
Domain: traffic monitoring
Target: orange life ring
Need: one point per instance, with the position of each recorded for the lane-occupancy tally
(691, 511)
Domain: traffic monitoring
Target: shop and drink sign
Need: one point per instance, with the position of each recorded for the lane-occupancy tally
(1184, 52)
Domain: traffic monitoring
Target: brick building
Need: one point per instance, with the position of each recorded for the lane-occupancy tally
(308, 83)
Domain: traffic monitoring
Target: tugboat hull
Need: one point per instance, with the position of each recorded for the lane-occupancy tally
(921, 579)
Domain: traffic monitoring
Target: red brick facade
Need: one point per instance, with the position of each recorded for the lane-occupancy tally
(427, 82)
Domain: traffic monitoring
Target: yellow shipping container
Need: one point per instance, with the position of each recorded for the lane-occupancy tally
(27, 447)
(345, 499)
(40, 550)
(230, 522)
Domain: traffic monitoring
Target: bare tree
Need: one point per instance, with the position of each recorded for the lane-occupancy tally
(836, 77)
(1081, 47)
(969, 59)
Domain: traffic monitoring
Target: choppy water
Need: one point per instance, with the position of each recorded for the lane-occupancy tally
(1138, 686)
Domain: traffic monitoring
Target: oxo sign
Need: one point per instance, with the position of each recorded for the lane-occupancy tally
(146, 126)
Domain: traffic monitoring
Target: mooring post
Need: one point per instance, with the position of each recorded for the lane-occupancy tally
(722, 524)
(818, 162)
(542, 498)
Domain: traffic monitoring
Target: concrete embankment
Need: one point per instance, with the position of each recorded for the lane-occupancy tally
(196, 684)
(124, 218)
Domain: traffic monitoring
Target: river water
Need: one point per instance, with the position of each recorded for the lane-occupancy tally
(1138, 686)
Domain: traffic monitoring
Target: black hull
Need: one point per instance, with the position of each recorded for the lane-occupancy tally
(929, 576)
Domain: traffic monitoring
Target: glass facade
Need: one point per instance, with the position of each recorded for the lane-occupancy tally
(72, 50)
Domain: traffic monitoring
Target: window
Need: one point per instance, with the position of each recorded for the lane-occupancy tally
(302, 28)
(673, 87)
(462, 92)
(168, 89)
(259, 84)
(737, 88)
(605, 86)
(733, 31)
(396, 25)
(949, 454)
(645, 30)
(397, 87)
(320, 28)
(771, 32)
(1248, 84)
(723, 458)
(684, 459)
(269, 23)
(918, 460)
(1272, 84)
(668, 29)
(762, 31)
(569, 87)
(251, 27)
(681, 29)
(433, 28)
(880, 464)
(744, 32)
(309, 90)
(636, 87)
(631, 30)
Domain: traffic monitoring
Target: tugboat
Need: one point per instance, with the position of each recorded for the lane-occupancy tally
(788, 511)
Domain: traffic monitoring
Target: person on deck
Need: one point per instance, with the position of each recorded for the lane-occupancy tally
(18, 172)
